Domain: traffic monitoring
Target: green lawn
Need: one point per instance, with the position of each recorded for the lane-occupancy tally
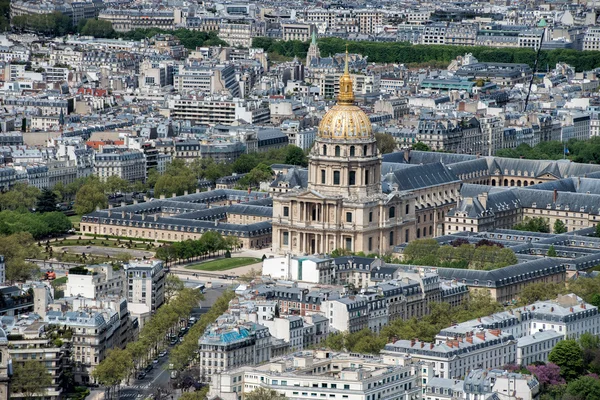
(224, 264)
(75, 220)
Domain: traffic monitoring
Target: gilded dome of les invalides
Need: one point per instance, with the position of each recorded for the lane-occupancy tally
(345, 120)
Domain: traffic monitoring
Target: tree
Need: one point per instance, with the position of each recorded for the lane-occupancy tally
(540, 291)
(551, 251)
(178, 179)
(245, 163)
(547, 374)
(260, 173)
(537, 224)
(568, 355)
(197, 395)
(173, 285)
(262, 393)
(597, 230)
(559, 226)
(115, 183)
(16, 248)
(46, 201)
(584, 388)
(420, 146)
(115, 367)
(295, 156)
(97, 28)
(20, 196)
(89, 196)
(250, 275)
(31, 379)
(421, 249)
(385, 143)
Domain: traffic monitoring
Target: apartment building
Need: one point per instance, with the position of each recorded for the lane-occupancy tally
(298, 31)
(239, 33)
(99, 281)
(322, 374)
(305, 269)
(454, 358)
(347, 314)
(120, 161)
(127, 19)
(591, 40)
(208, 79)
(218, 111)
(229, 344)
(288, 328)
(536, 348)
(30, 340)
(97, 326)
(145, 290)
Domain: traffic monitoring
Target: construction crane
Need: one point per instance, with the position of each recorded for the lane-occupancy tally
(542, 24)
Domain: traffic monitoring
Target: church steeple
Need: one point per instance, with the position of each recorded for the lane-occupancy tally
(313, 49)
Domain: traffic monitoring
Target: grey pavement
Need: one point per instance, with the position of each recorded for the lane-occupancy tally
(160, 376)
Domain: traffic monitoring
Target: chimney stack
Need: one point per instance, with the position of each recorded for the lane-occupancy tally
(470, 339)
(185, 192)
(554, 195)
(412, 342)
(174, 195)
(197, 190)
(422, 344)
(480, 335)
(431, 346)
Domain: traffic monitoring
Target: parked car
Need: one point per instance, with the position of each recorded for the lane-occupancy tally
(141, 375)
(163, 353)
(149, 368)
(155, 361)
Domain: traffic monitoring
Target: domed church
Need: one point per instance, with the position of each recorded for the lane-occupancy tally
(343, 206)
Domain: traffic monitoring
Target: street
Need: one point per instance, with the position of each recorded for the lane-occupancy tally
(159, 376)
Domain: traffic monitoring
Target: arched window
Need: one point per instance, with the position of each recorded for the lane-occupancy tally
(392, 212)
(337, 151)
(407, 209)
(392, 238)
(365, 150)
(352, 151)
(418, 233)
(324, 149)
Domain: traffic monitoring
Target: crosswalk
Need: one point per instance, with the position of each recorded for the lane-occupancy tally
(130, 395)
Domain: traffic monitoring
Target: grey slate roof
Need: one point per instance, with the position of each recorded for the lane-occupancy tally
(421, 176)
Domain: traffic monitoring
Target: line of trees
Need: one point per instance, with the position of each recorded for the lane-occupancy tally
(484, 255)
(185, 353)
(56, 23)
(402, 52)
(582, 151)
(121, 364)
(210, 243)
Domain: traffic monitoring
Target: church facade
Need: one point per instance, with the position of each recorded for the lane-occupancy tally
(343, 206)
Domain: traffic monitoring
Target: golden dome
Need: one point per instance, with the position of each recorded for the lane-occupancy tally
(345, 120)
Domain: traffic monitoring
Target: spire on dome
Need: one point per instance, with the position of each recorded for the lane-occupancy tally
(346, 96)
(314, 37)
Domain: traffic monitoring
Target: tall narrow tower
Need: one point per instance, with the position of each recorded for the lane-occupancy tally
(313, 49)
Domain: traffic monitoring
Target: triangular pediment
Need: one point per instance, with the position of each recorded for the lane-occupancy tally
(311, 195)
